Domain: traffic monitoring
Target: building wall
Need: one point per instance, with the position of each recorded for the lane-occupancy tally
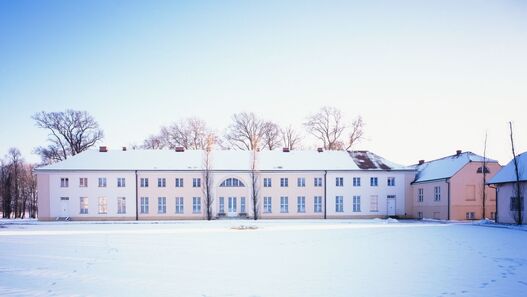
(429, 208)
(43, 196)
(505, 192)
(467, 192)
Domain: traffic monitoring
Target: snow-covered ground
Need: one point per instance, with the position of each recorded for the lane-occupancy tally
(278, 258)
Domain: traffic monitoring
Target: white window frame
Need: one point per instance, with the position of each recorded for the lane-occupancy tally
(284, 204)
(83, 182)
(64, 182)
(339, 203)
(374, 181)
(196, 182)
(284, 182)
(161, 205)
(144, 182)
(374, 203)
(180, 205)
(179, 182)
(102, 205)
(356, 203)
(317, 182)
(437, 193)
(420, 195)
(221, 205)
(84, 205)
(121, 205)
(161, 182)
(391, 181)
(196, 205)
(267, 182)
(145, 205)
(102, 182)
(339, 181)
(243, 205)
(268, 204)
(301, 182)
(317, 204)
(356, 181)
(301, 204)
(121, 182)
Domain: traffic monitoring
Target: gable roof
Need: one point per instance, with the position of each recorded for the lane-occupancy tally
(446, 167)
(507, 174)
(369, 161)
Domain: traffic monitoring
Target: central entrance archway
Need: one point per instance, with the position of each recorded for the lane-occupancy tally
(232, 200)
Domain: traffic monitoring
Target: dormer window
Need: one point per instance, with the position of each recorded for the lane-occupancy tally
(480, 169)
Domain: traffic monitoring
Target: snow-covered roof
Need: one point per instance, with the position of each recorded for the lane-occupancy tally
(369, 161)
(221, 160)
(507, 174)
(446, 167)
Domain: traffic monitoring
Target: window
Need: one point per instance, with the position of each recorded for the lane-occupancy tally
(374, 203)
(83, 182)
(179, 182)
(356, 181)
(470, 192)
(102, 182)
(301, 204)
(121, 182)
(470, 215)
(179, 204)
(64, 182)
(339, 204)
(65, 198)
(196, 182)
(268, 206)
(284, 182)
(356, 203)
(103, 205)
(437, 193)
(232, 182)
(242, 205)
(318, 204)
(391, 181)
(480, 170)
(161, 205)
(514, 203)
(284, 204)
(196, 204)
(420, 195)
(222, 205)
(144, 182)
(419, 214)
(144, 204)
(121, 205)
(267, 182)
(339, 181)
(84, 205)
(161, 182)
(374, 181)
(318, 182)
(301, 182)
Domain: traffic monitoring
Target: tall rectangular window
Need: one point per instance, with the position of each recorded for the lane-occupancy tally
(102, 182)
(356, 181)
(374, 181)
(356, 203)
(121, 205)
(242, 205)
(284, 182)
(161, 204)
(317, 182)
(179, 182)
(318, 204)
(103, 205)
(301, 204)
(339, 204)
(144, 204)
(196, 182)
(391, 181)
(267, 182)
(420, 195)
(144, 182)
(84, 205)
(161, 182)
(121, 182)
(437, 193)
(179, 204)
(196, 204)
(514, 203)
(64, 182)
(301, 182)
(268, 206)
(339, 181)
(284, 204)
(222, 205)
(374, 203)
(83, 182)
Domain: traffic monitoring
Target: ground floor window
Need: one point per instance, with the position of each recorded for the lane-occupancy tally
(267, 205)
(356, 203)
(144, 204)
(196, 204)
(470, 215)
(318, 204)
(103, 205)
(284, 204)
(374, 203)
(339, 204)
(242, 205)
(420, 215)
(179, 204)
(221, 205)
(301, 204)
(84, 205)
(121, 205)
(514, 203)
(161, 205)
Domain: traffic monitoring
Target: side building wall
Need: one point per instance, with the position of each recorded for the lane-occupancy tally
(430, 206)
(505, 214)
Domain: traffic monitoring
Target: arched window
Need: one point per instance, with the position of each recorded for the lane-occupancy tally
(480, 169)
(232, 182)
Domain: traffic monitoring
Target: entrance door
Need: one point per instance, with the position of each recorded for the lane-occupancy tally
(232, 207)
(64, 207)
(390, 205)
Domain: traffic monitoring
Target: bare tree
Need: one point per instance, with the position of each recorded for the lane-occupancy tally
(255, 190)
(271, 136)
(153, 142)
(70, 132)
(5, 189)
(15, 162)
(517, 186)
(207, 176)
(484, 174)
(190, 133)
(329, 127)
(246, 131)
(290, 138)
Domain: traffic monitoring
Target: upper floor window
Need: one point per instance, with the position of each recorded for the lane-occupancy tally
(391, 181)
(318, 182)
(339, 181)
(267, 182)
(437, 193)
(83, 182)
(301, 182)
(284, 182)
(102, 182)
(374, 181)
(196, 182)
(64, 182)
(232, 182)
(161, 182)
(179, 182)
(144, 182)
(480, 169)
(356, 181)
(121, 182)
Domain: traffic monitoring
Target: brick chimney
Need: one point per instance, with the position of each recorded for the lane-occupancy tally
(458, 152)
(180, 149)
(285, 150)
(421, 162)
(320, 150)
(124, 148)
(103, 149)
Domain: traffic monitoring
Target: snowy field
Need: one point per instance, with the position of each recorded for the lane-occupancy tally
(279, 258)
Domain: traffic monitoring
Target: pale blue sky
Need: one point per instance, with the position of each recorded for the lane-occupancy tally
(428, 77)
